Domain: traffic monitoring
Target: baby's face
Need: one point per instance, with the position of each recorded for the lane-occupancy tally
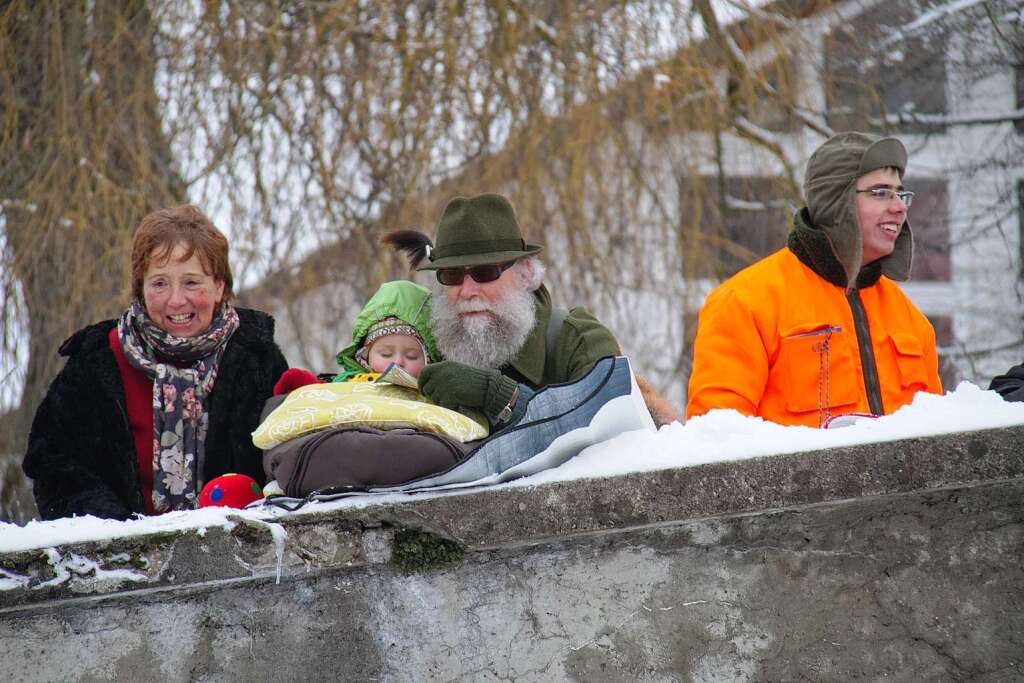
(400, 349)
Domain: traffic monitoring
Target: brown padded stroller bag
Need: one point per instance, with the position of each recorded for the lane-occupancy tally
(358, 458)
(558, 422)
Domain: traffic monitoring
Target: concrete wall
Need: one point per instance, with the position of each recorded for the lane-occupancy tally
(898, 560)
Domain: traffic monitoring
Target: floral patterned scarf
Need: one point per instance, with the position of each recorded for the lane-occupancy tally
(180, 416)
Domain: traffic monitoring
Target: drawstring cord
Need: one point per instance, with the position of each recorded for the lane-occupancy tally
(822, 347)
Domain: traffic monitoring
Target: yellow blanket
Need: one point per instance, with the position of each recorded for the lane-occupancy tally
(365, 404)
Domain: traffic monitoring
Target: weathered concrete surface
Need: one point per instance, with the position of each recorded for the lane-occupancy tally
(898, 561)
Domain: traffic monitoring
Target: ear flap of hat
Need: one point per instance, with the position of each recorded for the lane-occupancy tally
(844, 233)
(897, 265)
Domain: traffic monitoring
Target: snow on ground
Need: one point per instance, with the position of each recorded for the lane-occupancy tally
(718, 436)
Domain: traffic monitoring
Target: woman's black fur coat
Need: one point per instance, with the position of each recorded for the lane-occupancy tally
(81, 453)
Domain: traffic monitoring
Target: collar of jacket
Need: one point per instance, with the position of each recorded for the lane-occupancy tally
(529, 362)
(815, 250)
(87, 339)
(255, 329)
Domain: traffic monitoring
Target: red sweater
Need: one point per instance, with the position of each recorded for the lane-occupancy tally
(138, 394)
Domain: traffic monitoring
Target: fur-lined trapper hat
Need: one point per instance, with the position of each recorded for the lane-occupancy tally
(830, 189)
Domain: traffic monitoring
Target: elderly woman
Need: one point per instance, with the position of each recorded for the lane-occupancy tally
(151, 406)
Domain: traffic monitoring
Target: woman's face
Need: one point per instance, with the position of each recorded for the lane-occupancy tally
(180, 296)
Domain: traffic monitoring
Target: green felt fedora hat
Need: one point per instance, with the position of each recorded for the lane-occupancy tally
(478, 230)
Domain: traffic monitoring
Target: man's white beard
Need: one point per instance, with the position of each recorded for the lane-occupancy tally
(483, 341)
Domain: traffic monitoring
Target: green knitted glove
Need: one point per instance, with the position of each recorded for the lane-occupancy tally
(455, 385)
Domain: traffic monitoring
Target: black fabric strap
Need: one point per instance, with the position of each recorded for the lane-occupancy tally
(477, 247)
(555, 324)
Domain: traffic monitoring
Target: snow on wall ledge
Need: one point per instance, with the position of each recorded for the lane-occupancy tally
(896, 559)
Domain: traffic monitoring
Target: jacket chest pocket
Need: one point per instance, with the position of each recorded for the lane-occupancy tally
(910, 359)
(818, 368)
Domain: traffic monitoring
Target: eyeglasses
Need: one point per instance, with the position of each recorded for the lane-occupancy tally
(453, 277)
(887, 193)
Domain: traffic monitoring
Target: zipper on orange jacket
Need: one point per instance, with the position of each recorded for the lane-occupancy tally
(867, 355)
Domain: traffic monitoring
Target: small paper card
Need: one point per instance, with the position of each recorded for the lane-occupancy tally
(394, 374)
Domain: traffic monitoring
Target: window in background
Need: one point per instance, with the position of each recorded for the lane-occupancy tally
(944, 339)
(929, 219)
(872, 73)
(742, 219)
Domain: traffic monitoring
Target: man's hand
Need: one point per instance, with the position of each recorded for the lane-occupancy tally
(456, 385)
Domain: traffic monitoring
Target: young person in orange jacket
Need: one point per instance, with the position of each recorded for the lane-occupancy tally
(820, 328)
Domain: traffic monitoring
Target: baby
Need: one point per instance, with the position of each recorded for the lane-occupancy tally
(400, 347)
(357, 435)
(393, 327)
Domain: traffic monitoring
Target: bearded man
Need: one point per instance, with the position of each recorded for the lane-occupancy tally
(492, 316)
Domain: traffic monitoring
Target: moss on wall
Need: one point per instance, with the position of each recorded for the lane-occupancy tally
(418, 551)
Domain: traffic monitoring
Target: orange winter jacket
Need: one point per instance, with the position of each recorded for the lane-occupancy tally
(760, 346)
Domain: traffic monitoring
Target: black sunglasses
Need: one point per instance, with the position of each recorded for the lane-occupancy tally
(453, 277)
